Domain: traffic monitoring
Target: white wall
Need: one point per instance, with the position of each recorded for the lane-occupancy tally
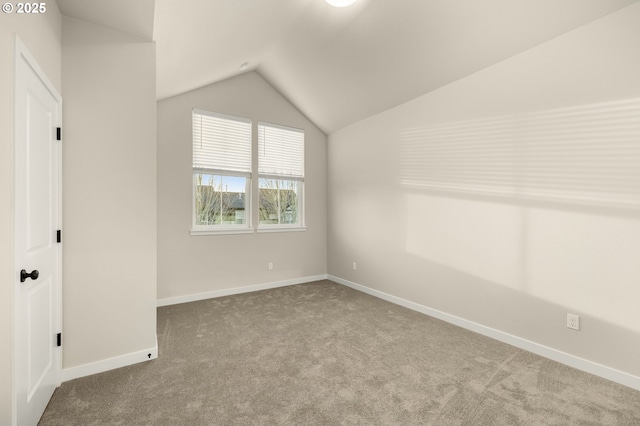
(42, 36)
(545, 222)
(109, 205)
(189, 265)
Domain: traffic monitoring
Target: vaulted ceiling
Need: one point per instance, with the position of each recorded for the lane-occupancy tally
(337, 65)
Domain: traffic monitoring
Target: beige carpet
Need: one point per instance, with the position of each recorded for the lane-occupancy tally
(323, 354)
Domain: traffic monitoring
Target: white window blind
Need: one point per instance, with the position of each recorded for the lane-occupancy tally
(221, 142)
(280, 151)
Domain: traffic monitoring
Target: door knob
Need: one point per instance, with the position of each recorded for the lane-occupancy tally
(33, 275)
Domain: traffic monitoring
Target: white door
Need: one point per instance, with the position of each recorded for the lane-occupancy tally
(36, 221)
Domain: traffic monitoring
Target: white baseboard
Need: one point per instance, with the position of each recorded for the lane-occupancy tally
(237, 290)
(152, 353)
(594, 368)
(109, 363)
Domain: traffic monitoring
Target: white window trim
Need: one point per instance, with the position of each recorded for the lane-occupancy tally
(280, 228)
(251, 184)
(284, 227)
(221, 229)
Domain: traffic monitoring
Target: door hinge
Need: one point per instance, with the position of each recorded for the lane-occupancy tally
(58, 134)
(59, 339)
(59, 236)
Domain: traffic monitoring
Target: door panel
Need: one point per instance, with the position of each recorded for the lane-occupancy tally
(40, 332)
(39, 156)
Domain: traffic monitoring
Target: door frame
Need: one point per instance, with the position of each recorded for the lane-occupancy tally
(22, 53)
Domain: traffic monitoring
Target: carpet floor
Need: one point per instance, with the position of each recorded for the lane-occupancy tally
(324, 354)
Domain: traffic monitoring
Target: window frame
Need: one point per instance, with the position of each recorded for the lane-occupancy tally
(222, 228)
(300, 225)
(284, 227)
(252, 218)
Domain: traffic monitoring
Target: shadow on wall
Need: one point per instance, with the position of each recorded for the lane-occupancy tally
(547, 204)
(586, 155)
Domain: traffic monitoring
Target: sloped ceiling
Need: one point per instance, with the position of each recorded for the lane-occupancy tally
(338, 65)
(129, 16)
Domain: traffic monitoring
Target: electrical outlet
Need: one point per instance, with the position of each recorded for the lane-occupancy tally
(355, 267)
(573, 322)
(270, 265)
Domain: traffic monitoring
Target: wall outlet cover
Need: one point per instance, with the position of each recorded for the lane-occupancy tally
(573, 321)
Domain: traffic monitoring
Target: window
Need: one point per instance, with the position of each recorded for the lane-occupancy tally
(222, 175)
(280, 176)
(221, 172)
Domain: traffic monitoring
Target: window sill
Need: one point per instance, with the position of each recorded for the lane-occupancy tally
(224, 231)
(277, 228)
(262, 229)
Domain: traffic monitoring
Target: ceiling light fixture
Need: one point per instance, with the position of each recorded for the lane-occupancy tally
(340, 3)
(244, 66)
